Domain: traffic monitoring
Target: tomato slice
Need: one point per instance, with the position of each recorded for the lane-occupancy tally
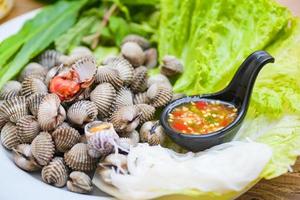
(179, 126)
(201, 105)
(177, 113)
(224, 123)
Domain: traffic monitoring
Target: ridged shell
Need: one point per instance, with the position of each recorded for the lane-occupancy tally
(10, 89)
(133, 53)
(55, 173)
(159, 95)
(86, 68)
(103, 96)
(131, 140)
(50, 58)
(152, 132)
(24, 159)
(141, 98)
(147, 111)
(151, 58)
(33, 86)
(51, 114)
(9, 136)
(33, 103)
(159, 79)
(124, 68)
(43, 148)
(27, 129)
(3, 118)
(65, 138)
(78, 158)
(107, 74)
(141, 41)
(126, 119)
(171, 66)
(81, 51)
(116, 160)
(139, 82)
(34, 70)
(51, 73)
(14, 108)
(82, 112)
(79, 182)
(124, 98)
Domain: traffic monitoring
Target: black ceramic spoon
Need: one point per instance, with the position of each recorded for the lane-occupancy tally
(237, 93)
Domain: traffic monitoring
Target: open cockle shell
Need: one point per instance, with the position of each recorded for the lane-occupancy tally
(65, 138)
(51, 73)
(51, 114)
(27, 128)
(171, 66)
(147, 112)
(32, 86)
(82, 112)
(152, 132)
(110, 75)
(43, 148)
(139, 82)
(141, 41)
(124, 68)
(33, 103)
(79, 182)
(103, 96)
(78, 158)
(24, 159)
(55, 173)
(133, 53)
(50, 58)
(159, 95)
(9, 136)
(10, 89)
(14, 108)
(124, 98)
(141, 98)
(34, 70)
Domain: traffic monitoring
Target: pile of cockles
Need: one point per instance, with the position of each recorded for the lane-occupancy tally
(67, 114)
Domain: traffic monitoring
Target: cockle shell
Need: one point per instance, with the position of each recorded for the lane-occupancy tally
(159, 79)
(14, 108)
(81, 51)
(117, 161)
(171, 66)
(79, 182)
(147, 112)
(9, 136)
(131, 140)
(33, 86)
(33, 103)
(110, 75)
(139, 82)
(3, 117)
(55, 173)
(78, 158)
(103, 96)
(10, 89)
(124, 98)
(159, 95)
(151, 58)
(43, 148)
(27, 128)
(65, 138)
(34, 70)
(50, 58)
(82, 112)
(133, 53)
(152, 132)
(126, 119)
(51, 114)
(141, 98)
(24, 159)
(141, 41)
(124, 68)
(177, 96)
(51, 73)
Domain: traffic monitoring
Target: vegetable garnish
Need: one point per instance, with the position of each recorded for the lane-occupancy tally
(202, 117)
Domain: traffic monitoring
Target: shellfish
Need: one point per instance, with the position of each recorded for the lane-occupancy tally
(14, 108)
(147, 112)
(50, 58)
(34, 70)
(103, 96)
(159, 95)
(27, 129)
(33, 103)
(78, 158)
(79, 182)
(33, 86)
(139, 82)
(107, 74)
(141, 98)
(133, 53)
(171, 66)
(43, 148)
(10, 89)
(124, 98)
(80, 51)
(152, 132)
(24, 159)
(55, 173)
(141, 41)
(151, 58)
(115, 161)
(131, 140)
(51, 114)
(159, 79)
(82, 112)
(65, 138)
(9, 136)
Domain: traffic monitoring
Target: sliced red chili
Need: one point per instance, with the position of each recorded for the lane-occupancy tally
(177, 113)
(201, 105)
(179, 126)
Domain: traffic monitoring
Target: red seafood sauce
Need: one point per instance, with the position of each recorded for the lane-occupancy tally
(202, 117)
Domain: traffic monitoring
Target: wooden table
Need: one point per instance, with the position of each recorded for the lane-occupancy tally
(286, 187)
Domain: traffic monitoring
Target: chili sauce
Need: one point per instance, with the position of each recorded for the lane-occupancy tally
(202, 117)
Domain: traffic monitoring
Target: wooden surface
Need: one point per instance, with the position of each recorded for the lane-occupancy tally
(286, 187)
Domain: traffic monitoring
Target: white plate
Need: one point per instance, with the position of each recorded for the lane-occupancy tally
(16, 184)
